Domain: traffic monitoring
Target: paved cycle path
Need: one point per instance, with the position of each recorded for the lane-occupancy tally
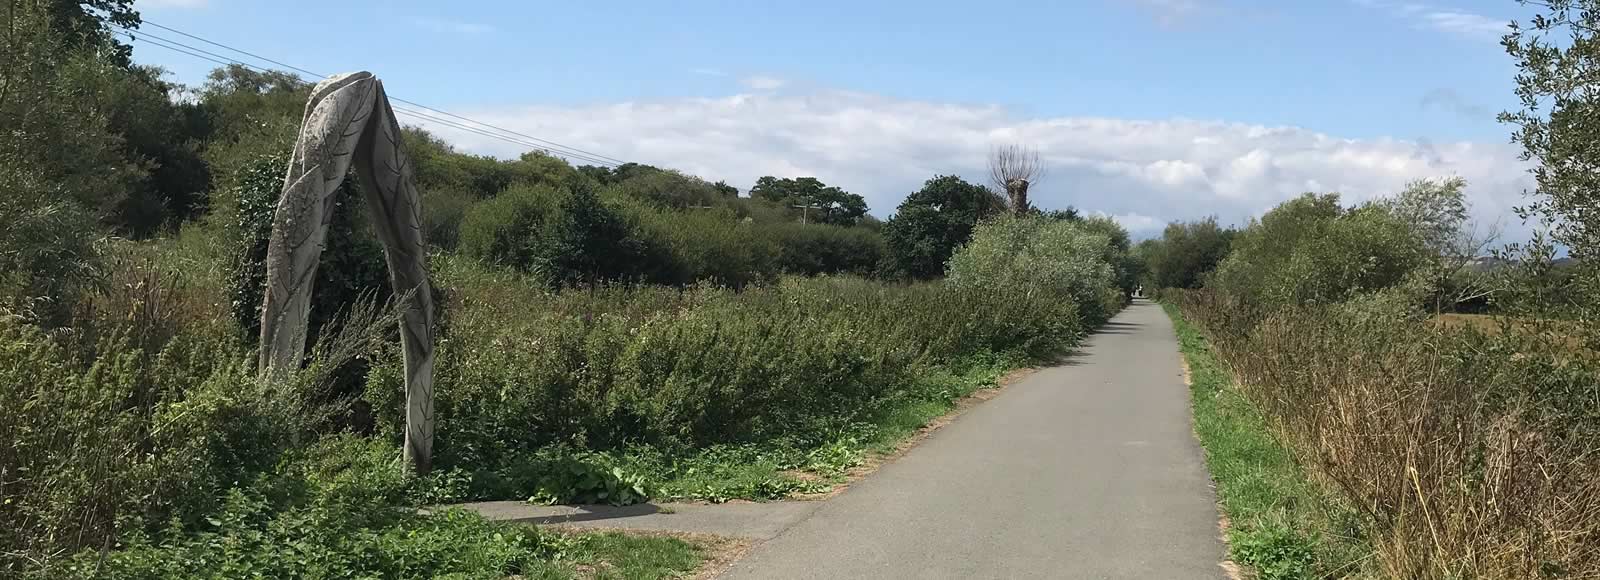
(1084, 470)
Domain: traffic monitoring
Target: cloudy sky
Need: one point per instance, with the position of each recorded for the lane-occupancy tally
(1146, 110)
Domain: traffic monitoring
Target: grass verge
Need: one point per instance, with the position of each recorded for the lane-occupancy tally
(616, 555)
(783, 469)
(1279, 523)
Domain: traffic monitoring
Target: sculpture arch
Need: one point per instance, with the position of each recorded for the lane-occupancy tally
(348, 121)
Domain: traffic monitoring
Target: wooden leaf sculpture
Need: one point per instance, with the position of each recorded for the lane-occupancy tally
(349, 120)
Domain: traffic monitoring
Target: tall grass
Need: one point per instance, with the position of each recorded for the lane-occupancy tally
(1468, 455)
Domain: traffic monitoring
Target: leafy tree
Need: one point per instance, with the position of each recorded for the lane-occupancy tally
(62, 167)
(614, 175)
(85, 25)
(1437, 212)
(1557, 55)
(1186, 252)
(1559, 124)
(664, 188)
(1117, 251)
(1311, 250)
(1069, 214)
(588, 242)
(935, 220)
(247, 114)
(439, 166)
(828, 204)
(162, 136)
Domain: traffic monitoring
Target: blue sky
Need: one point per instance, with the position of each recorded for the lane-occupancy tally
(1149, 110)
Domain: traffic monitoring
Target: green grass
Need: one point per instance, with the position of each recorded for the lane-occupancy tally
(938, 392)
(769, 471)
(1280, 524)
(614, 555)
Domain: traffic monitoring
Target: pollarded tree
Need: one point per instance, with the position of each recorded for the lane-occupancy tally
(1013, 169)
(935, 220)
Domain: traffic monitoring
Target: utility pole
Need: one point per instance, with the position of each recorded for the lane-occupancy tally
(804, 209)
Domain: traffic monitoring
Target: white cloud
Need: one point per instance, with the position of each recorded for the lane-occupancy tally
(763, 83)
(1467, 24)
(454, 27)
(1145, 172)
(1448, 20)
(174, 3)
(1139, 223)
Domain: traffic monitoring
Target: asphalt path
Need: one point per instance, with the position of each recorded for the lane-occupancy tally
(1088, 469)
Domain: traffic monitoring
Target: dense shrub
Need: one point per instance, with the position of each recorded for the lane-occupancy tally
(1126, 267)
(566, 237)
(352, 264)
(563, 237)
(330, 511)
(100, 429)
(507, 230)
(1032, 258)
(1311, 250)
(440, 167)
(809, 249)
(442, 213)
(524, 367)
(143, 416)
(710, 245)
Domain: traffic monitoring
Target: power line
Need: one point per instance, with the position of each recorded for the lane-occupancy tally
(224, 46)
(538, 143)
(175, 49)
(591, 154)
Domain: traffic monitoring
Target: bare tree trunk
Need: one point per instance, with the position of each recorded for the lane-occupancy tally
(1014, 168)
(347, 120)
(1017, 193)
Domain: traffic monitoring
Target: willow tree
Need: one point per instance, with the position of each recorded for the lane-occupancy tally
(1012, 169)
